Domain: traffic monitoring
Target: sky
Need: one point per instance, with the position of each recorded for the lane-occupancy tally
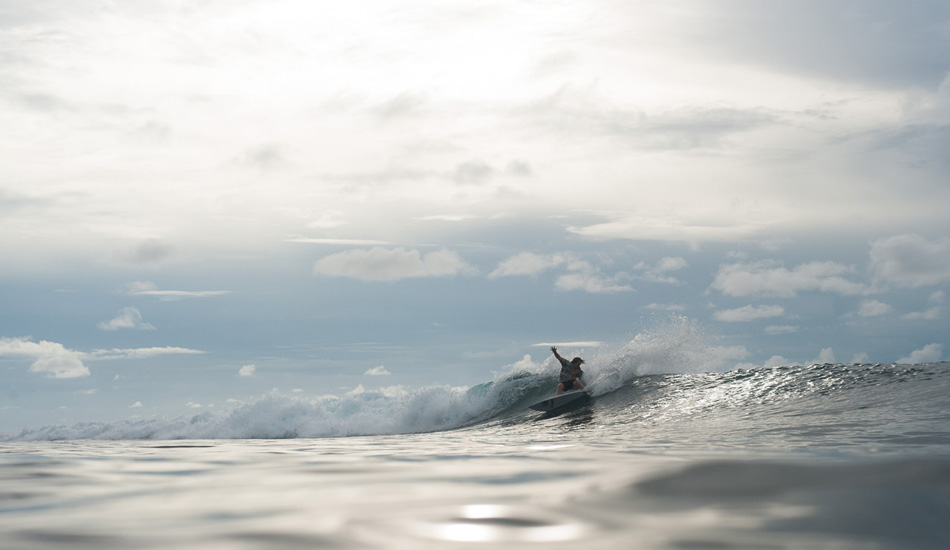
(205, 201)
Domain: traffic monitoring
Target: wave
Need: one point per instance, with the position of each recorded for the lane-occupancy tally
(663, 375)
(394, 410)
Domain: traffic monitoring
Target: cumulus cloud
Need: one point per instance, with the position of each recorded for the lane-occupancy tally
(145, 288)
(383, 264)
(56, 361)
(931, 353)
(911, 261)
(931, 314)
(749, 313)
(769, 279)
(659, 273)
(926, 315)
(136, 405)
(527, 264)
(247, 370)
(873, 308)
(49, 358)
(584, 276)
(377, 371)
(129, 317)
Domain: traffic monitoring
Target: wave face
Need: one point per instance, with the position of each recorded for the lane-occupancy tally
(654, 387)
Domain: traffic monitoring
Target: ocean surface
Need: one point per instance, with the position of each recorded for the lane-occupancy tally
(662, 455)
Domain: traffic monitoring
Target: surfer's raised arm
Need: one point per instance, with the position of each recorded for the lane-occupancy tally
(556, 354)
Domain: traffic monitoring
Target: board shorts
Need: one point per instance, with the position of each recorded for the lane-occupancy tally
(568, 384)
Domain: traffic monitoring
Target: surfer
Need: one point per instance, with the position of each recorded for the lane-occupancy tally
(571, 373)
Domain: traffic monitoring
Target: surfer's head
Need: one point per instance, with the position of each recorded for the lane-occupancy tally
(577, 361)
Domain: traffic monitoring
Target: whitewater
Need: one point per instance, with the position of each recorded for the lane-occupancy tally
(669, 453)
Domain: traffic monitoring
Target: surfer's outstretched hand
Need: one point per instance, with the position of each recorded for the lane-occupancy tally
(554, 349)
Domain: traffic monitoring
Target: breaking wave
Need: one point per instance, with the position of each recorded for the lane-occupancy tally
(669, 374)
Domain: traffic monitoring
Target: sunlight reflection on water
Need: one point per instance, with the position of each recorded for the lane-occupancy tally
(498, 523)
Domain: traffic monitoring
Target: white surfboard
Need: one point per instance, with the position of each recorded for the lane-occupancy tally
(556, 401)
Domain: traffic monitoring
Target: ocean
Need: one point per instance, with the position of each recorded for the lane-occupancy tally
(665, 454)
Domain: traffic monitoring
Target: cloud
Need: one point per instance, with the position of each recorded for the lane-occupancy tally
(518, 168)
(584, 344)
(136, 405)
(382, 264)
(262, 157)
(873, 308)
(749, 313)
(129, 317)
(659, 273)
(330, 219)
(148, 252)
(11, 202)
(927, 315)
(666, 227)
(931, 353)
(49, 358)
(765, 278)
(665, 307)
(405, 104)
(472, 173)
(690, 127)
(377, 371)
(936, 298)
(780, 329)
(526, 264)
(447, 218)
(343, 242)
(139, 353)
(145, 288)
(247, 370)
(911, 261)
(584, 276)
(880, 44)
(582, 111)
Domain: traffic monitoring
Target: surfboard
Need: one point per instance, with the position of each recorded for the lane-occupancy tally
(552, 403)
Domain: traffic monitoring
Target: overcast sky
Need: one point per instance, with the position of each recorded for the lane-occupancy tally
(204, 200)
